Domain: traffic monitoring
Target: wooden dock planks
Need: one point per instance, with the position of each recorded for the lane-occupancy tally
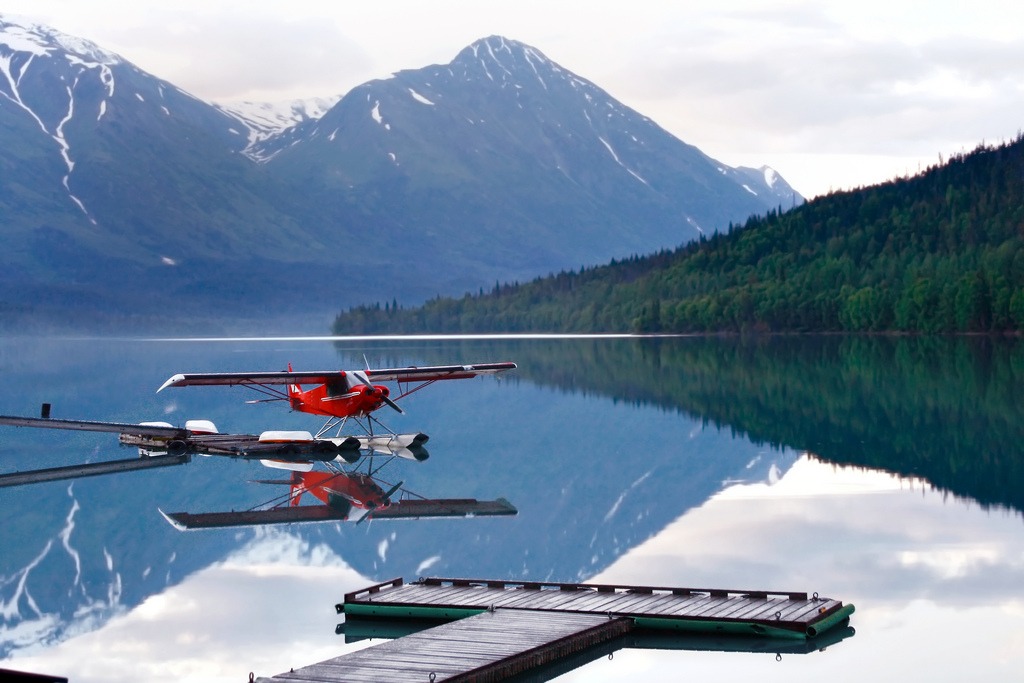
(755, 612)
(488, 647)
(497, 629)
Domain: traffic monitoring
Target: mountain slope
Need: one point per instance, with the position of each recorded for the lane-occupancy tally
(503, 162)
(942, 252)
(127, 201)
(122, 193)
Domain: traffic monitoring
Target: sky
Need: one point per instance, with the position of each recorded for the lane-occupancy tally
(833, 94)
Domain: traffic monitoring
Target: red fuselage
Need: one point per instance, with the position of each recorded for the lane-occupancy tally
(359, 489)
(338, 398)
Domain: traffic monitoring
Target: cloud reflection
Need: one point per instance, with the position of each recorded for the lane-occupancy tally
(266, 608)
(927, 573)
(841, 531)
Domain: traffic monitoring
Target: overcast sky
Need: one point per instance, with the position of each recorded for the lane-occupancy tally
(831, 93)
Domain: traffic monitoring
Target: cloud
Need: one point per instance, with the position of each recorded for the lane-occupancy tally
(267, 608)
(227, 57)
(813, 531)
(811, 86)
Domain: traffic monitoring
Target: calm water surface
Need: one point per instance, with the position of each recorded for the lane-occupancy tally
(886, 473)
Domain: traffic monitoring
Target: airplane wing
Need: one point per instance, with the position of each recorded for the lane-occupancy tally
(431, 373)
(89, 426)
(417, 508)
(91, 469)
(243, 378)
(404, 509)
(284, 515)
(411, 374)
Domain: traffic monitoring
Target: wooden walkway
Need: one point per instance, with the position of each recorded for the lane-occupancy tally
(491, 646)
(777, 614)
(499, 629)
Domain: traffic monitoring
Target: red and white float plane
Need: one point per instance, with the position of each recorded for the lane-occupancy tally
(340, 395)
(342, 496)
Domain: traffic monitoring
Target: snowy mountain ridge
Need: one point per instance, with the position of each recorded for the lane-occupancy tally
(267, 119)
(499, 166)
(24, 35)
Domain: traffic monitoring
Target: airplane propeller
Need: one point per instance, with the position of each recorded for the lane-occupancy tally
(377, 391)
(387, 500)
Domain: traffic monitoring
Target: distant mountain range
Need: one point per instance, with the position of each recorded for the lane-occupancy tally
(126, 199)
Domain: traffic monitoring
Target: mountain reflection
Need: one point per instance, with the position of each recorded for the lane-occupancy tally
(944, 409)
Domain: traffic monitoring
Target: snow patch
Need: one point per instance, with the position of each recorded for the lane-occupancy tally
(420, 98)
(535, 71)
(619, 162)
(622, 496)
(427, 564)
(65, 535)
(375, 113)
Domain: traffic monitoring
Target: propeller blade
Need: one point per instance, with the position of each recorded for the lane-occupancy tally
(391, 491)
(384, 398)
(391, 403)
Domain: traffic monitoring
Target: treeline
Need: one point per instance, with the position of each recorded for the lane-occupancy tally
(945, 408)
(940, 252)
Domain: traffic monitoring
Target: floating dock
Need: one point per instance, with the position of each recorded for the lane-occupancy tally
(701, 610)
(498, 629)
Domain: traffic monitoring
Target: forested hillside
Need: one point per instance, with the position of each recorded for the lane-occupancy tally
(939, 252)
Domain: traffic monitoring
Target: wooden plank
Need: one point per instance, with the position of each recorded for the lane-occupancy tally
(490, 644)
(684, 608)
(550, 600)
(529, 599)
(721, 608)
(418, 594)
(630, 603)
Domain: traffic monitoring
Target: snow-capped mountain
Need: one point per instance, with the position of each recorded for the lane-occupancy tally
(766, 181)
(126, 197)
(266, 119)
(509, 161)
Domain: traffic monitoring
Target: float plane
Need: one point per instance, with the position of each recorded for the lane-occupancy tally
(340, 395)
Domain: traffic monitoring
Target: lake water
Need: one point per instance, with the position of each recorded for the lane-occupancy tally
(887, 473)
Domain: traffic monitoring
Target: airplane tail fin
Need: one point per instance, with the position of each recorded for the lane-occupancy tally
(298, 488)
(294, 393)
